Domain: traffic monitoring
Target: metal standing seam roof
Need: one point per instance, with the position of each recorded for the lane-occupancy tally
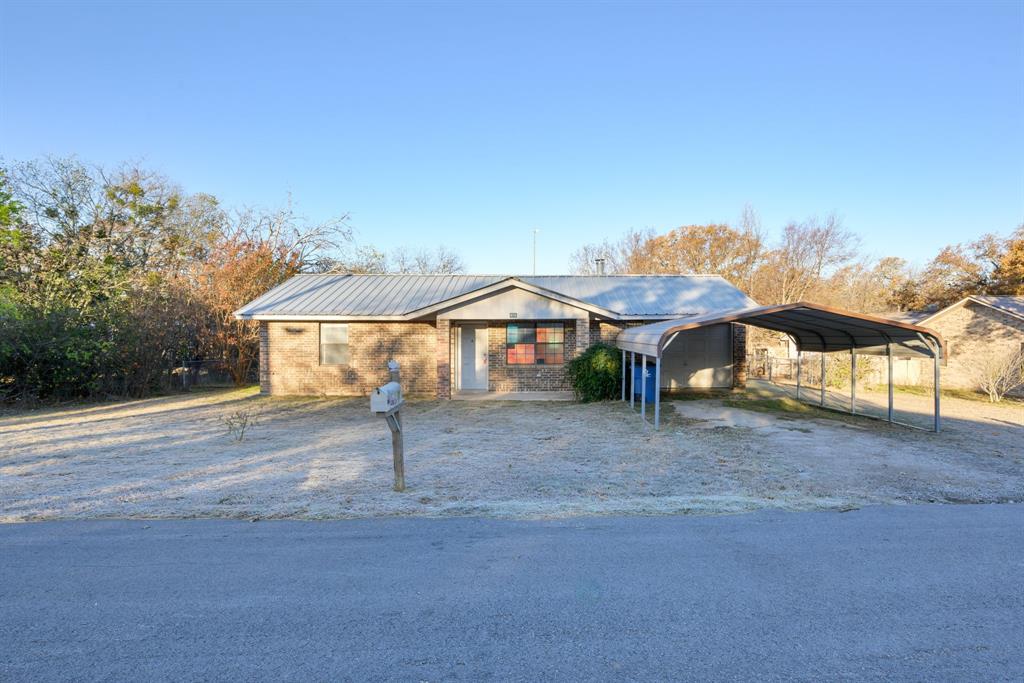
(401, 296)
(814, 327)
(1011, 304)
(1008, 303)
(1005, 303)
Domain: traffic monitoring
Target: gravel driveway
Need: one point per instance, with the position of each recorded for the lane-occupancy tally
(328, 458)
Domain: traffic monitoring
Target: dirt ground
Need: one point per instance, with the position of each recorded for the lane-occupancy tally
(323, 458)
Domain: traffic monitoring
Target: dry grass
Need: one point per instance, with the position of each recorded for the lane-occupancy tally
(329, 458)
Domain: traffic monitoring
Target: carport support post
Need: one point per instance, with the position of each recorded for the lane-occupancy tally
(936, 357)
(888, 355)
(632, 379)
(822, 400)
(853, 381)
(799, 370)
(657, 392)
(623, 374)
(643, 386)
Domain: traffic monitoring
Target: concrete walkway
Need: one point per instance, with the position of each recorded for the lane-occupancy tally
(513, 396)
(901, 593)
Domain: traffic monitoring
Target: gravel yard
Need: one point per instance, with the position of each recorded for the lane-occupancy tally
(328, 458)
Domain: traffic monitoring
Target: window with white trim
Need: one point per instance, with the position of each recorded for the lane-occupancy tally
(334, 344)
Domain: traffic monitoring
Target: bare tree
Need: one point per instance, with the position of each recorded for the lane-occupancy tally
(423, 261)
(583, 261)
(996, 373)
(810, 251)
(369, 259)
(627, 255)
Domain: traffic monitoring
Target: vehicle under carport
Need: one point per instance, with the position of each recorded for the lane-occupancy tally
(812, 327)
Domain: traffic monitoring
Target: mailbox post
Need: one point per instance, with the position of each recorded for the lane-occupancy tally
(387, 402)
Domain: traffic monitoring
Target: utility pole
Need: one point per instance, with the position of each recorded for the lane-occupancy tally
(535, 231)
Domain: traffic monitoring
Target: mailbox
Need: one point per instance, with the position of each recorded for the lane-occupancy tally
(386, 402)
(386, 399)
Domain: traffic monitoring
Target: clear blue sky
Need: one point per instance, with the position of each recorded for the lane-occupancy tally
(470, 125)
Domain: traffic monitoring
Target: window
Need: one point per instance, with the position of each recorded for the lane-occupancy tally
(535, 343)
(333, 344)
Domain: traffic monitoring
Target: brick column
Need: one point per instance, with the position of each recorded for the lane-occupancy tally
(739, 355)
(582, 335)
(444, 361)
(264, 358)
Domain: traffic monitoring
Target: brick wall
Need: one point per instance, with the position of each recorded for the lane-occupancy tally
(971, 331)
(504, 377)
(290, 358)
(443, 359)
(607, 332)
(739, 355)
(264, 358)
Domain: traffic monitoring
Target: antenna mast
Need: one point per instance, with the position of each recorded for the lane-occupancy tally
(535, 231)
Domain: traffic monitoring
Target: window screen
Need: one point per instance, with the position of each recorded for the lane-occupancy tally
(334, 344)
(535, 343)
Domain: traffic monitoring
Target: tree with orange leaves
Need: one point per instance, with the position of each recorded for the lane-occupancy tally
(258, 252)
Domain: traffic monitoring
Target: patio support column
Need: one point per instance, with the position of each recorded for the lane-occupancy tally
(657, 392)
(643, 386)
(799, 370)
(822, 400)
(623, 374)
(632, 379)
(853, 381)
(888, 355)
(444, 354)
(936, 358)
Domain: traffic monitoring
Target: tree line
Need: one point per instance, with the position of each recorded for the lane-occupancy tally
(109, 280)
(818, 260)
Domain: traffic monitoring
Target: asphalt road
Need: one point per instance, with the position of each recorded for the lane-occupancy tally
(922, 593)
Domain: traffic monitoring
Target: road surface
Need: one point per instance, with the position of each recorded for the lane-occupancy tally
(921, 592)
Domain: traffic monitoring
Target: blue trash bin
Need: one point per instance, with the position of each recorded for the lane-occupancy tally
(638, 382)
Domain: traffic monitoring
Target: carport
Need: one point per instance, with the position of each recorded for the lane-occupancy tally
(812, 327)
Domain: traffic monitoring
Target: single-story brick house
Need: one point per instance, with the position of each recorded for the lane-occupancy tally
(974, 327)
(332, 334)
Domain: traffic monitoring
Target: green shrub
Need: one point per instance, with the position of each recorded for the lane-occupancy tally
(596, 373)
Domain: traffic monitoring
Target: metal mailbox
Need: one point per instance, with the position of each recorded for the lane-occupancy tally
(386, 399)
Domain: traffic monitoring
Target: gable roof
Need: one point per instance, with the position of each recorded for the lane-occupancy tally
(907, 316)
(405, 297)
(1014, 305)
(1009, 304)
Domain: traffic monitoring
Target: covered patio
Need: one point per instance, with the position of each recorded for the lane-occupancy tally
(812, 327)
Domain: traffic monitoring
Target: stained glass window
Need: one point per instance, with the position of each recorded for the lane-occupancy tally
(535, 343)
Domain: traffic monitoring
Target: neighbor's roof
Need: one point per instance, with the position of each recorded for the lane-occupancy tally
(1012, 305)
(813, 326)
(907, 316)
(411, 296)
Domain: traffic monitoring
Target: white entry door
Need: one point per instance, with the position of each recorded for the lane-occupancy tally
(473, 364)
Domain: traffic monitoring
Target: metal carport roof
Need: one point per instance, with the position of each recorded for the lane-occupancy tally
(812, 326)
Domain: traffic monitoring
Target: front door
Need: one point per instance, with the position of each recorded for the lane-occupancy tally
(473, 364)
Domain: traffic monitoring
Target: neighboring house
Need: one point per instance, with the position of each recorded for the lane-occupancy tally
(974, 327)
(332, 334)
